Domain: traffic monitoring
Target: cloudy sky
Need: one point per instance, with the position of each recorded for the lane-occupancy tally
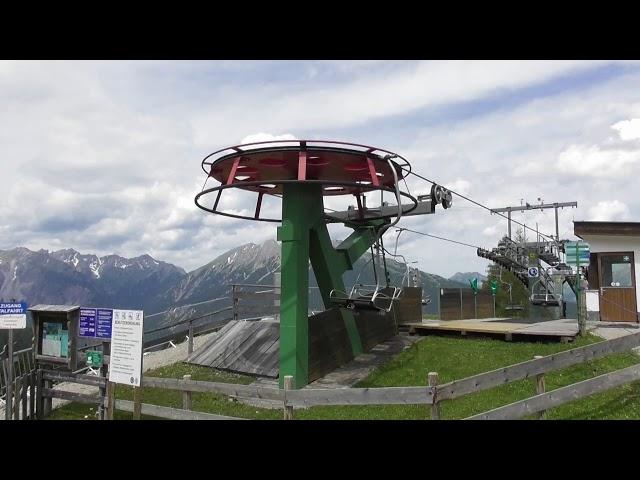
(104, 157)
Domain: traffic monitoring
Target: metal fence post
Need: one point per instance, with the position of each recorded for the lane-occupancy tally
(432, 380)
(186, 395)
(540, 388)
(288, 409)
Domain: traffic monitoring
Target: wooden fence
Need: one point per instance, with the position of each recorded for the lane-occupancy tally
(23, 384)
(432, 394)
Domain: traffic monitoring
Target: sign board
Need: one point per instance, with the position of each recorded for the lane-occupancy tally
(533, 272)
(126, 347)
(95, 323)
(577, 253)
(494, 287)
(87, 326)
(13, 315)
(104, 320)
(94, 358)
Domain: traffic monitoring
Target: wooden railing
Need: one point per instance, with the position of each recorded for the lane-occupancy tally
(22, 382)
(432, 394)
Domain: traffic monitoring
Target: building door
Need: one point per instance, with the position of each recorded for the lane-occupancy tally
(616, 272)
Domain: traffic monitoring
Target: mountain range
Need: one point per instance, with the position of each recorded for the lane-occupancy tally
(164, 291)
(464, 277)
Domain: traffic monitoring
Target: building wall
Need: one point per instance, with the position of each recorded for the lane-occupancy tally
(611, 243)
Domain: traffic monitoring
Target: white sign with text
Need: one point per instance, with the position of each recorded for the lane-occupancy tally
(125, 364)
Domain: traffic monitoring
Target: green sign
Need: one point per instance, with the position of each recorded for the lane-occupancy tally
(494, 287)
(474, 285)
(94, 359)
(577, 253)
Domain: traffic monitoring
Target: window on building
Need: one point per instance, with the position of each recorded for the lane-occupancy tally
(617, 270)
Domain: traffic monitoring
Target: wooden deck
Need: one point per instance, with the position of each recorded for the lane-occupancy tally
(564, 329)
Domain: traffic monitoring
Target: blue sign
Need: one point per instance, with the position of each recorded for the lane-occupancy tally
(88, 320)
(533, 272)
(96, 323)
(104, 322)
(13, 308)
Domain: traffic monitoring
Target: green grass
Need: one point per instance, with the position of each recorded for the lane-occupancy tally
(452, 357)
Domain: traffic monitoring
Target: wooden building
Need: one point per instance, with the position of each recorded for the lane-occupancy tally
(613, 268)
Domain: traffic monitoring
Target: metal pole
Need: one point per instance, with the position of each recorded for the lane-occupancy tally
(581, 322)
(9, 400)
(509, 216)
(475, 306)
(557, 230)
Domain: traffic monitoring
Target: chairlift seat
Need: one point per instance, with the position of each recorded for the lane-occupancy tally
(514, 307)
(377, 299)
(545, 300)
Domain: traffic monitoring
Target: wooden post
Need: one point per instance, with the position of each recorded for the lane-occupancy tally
(137, 402)
(39, 398)
(8, 398)
(190, 346)
(111, 400)
(104, 371)
(48, 401)
(186, 396)
(32, 397)
(16, 398)
(540, 388)
(288, 409)
(25, 389)
(235, 302)
(432, 380)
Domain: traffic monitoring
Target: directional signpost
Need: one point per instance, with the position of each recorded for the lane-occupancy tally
(12, 315)
(577, 253)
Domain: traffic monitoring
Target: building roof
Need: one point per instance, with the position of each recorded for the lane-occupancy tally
(53, 308)
(627, 229)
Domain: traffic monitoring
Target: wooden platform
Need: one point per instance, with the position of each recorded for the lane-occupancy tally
(564, 330)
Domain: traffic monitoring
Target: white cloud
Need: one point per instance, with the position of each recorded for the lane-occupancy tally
(594, 161)
(628, 129)
(266, 137)
(104, 156)
(609, 210)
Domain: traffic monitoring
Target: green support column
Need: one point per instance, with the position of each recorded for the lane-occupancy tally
(305, 238)
(297, 201)
(328, 267)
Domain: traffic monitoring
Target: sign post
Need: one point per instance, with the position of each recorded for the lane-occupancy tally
(474, 287)
(494, 290)
(12, 315)
(125, 365)
(578, 253)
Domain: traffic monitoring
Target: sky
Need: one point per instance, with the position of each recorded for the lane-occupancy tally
(104, 156)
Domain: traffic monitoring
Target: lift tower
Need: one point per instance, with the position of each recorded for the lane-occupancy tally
(301, 173)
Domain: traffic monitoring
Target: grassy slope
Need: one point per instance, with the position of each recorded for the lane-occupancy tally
(452, 357)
